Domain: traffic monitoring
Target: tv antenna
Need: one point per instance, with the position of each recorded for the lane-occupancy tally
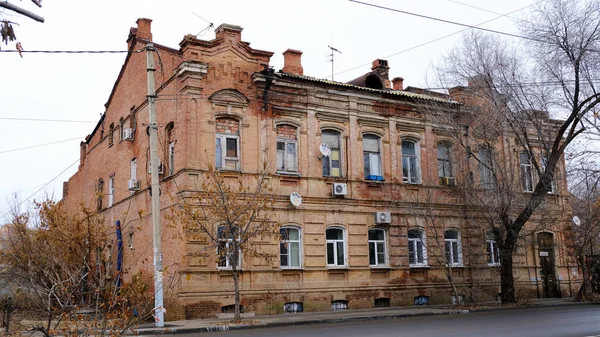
(203, 31)
(333, 51)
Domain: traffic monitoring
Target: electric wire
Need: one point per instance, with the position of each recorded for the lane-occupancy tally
(45, 120)
(40, 145)
(65, 51)
(37, 191)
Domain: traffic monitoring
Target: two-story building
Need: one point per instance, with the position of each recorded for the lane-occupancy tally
(365, 158)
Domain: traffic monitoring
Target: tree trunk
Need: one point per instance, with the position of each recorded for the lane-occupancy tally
(451, 281)
(236, 289)
(507, 280)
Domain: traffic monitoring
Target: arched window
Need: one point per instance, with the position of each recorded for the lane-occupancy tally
(417, 254)
(493, 254)
(227, 255)
(453, 247)
(377, 247)
(445, 169)
(100, 194)
(526, 171)
(544, 163)
(411, 167)
(372, 157)
(287, 148)
(332, 165)
(227, 144)
(170, 136)
(485, 166)
(289, 248)
(336, 247)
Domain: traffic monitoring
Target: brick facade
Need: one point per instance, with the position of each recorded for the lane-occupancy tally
(222, 87)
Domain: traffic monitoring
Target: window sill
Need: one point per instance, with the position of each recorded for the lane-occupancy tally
(419, 266)
(289, 174)
(337, 267)
(291, 268)
(374, 178)
(380, 267)
(493, 265)
(227, 269)
(457, 266)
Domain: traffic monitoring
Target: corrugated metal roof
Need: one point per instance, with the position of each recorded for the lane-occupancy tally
(384, 91)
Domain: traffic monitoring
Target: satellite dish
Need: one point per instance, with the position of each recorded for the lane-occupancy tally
(295, 199)
(576, 220)
(325, 150)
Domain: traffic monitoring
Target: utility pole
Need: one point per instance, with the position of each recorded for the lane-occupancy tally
(155, 190)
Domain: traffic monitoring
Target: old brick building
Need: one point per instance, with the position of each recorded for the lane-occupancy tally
(356, 240)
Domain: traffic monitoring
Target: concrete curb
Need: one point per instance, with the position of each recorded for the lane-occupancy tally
(216, 328)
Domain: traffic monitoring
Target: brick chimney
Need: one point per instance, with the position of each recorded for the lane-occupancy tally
(292, 62)
(398, 83)
(380, 67)
(231, 32)
(144, 30)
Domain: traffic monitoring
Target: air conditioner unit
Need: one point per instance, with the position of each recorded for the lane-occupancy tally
(447, 181)
(383, 217)
(133, 185)
(161, 168)
(340, 189)
(128, 134)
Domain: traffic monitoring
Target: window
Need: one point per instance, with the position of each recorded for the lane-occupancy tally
(292, 307)
(526, 171)
(134, 169)
(445, 172)
(485, 166)
(121, 129)
(227, 144)
(111, 190)
(335, 247)
(339, 305)
(417, 255)
(382, 302)
(226, 255)
(372, 157)
(377, 254)
(493, 254)
(332, 165)
(171, 148)
(410, 162)
(100, 194)
(544, 162)
(111, 134)
(289, 248)
(453, 249)
(287, 149)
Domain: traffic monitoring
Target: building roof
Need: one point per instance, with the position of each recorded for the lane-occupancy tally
(383, 91)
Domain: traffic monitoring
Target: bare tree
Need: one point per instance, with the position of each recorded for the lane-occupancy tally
(535, 97)
(229, 212)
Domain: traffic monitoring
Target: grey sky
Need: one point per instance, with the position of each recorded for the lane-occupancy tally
(75, 87)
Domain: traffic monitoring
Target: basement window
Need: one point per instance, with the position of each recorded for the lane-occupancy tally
(339, 305)
(382, 302)
(230, 309)
(292, 307)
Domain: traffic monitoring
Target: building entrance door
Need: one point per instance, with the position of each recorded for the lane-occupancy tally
(547, 268)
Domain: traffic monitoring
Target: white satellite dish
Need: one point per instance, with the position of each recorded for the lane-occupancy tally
(325, 150)
(295, 199)
(576, 220)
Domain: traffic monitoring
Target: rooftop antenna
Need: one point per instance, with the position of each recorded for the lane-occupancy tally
(333, 51)
(203, 31)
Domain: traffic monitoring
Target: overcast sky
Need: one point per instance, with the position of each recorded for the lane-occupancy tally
(74, 87)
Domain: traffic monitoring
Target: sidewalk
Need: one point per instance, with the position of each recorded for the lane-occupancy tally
(224, 324)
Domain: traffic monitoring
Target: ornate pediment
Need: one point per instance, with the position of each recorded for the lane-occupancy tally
(229, 97)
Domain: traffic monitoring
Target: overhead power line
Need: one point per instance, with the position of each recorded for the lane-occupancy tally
(38, 190)
(45, 120)
(66, 51)
(39, 145)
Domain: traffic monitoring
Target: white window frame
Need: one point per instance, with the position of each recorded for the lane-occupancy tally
(287, 166)
(111, 191)
(227, 242)
(526, 170)
(414, 242)
(453, 260)
(373, 158)
(288, 242)
(442, 161)
(486, 162)
(222, 139)
(408, 176)
(334, 242)
(335, 151)
(553, 186)
(491, 248)
(133, 169)
(171, 158)
(376, 244)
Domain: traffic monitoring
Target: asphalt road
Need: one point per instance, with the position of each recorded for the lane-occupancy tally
(572, 321)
